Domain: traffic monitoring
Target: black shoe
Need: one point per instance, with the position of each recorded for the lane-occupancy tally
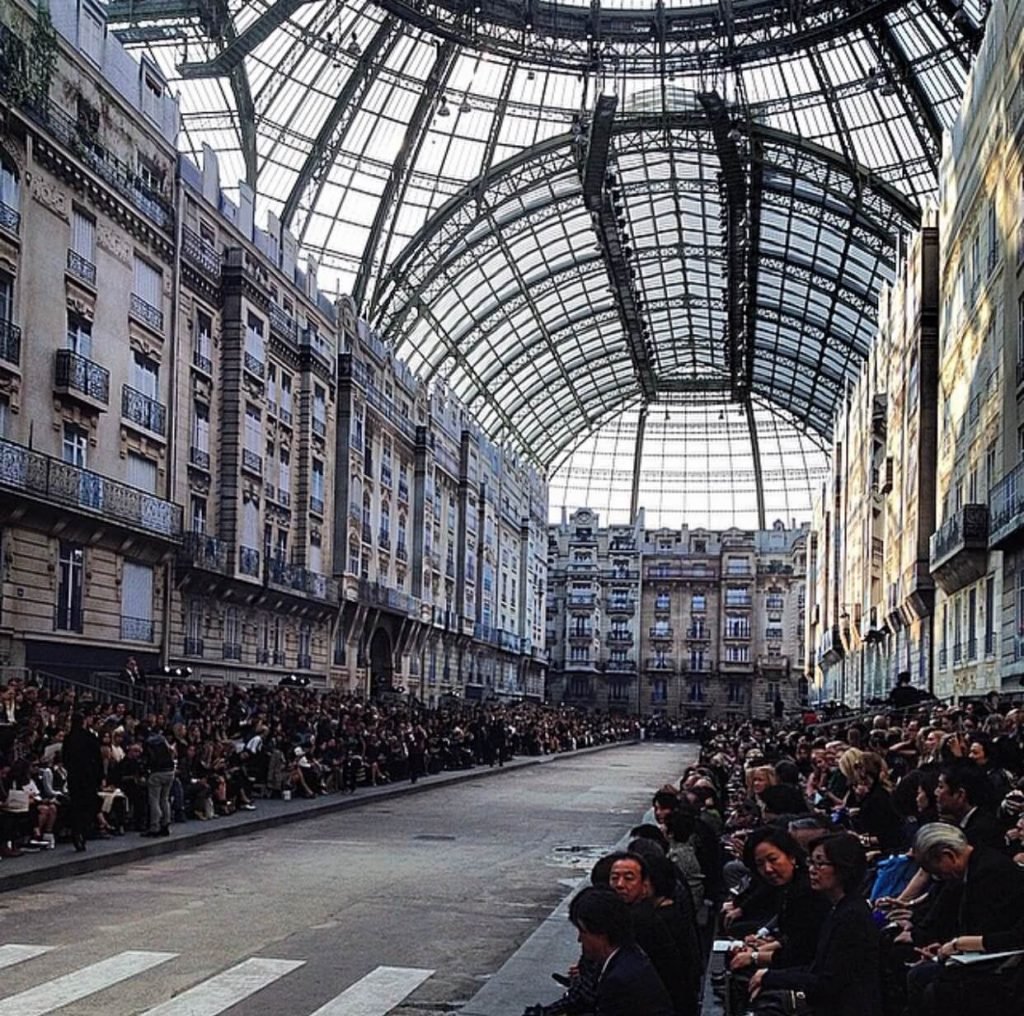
(149, 833)
(164, 831)
(79, 841)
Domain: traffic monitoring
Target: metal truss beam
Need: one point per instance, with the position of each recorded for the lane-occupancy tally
(330, 139)
(734, 200)
(755, 450)
(121, 12)
(638, 41)
(611, 224)
(232, 55)
(398, 178)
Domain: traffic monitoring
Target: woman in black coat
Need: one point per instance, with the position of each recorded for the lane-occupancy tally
(843, 978)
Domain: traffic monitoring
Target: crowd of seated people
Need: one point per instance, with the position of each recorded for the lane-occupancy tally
(196, 752)
(872, 867)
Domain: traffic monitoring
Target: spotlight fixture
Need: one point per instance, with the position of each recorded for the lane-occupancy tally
(353, 48)
(530, 75)
(443, 109)
(465, 106)
(735, 134)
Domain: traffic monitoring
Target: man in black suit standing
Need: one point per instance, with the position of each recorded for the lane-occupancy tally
(628, 985)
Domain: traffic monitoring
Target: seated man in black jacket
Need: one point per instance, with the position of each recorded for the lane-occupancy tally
(677, 964)
(628, 984)
(982, 895)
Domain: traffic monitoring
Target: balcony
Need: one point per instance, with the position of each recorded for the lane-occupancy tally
(200, 253)
(659, 663)
(79, 378)
(81, 268)
(232, 651)
(958, 552)
(316, 505)
(736, 634)
(384, 539)
(773, 665)
(51, 481)
(206, 553)
(199, 458)
(367, 533)
(252, 462)
(300, 580)
(402, 552)
(10, 218)
(142, 411)
(620, 638)
(319, 425)
(194, 647)
(695, 634)
(136, 629)
(620, 667)
(1006, 505)
(145, 312)
(578, 634)
(10, 343)
(201, 361)
(304, 662)
(614, 606)
(254, 365)
(283, 324)
(76, 137)
(249, 561)
(660, 632)
(581, 601)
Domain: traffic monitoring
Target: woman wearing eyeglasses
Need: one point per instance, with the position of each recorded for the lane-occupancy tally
(843, 978)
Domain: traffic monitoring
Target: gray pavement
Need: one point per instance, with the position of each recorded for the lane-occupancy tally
(34, 867)
(507, 986)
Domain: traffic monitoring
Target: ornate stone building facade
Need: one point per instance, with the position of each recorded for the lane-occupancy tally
(680, 622)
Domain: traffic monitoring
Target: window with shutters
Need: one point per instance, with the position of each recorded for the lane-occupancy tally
(284, 475)
(202, 353)
(252, 452)
(141, 472)
(137, 602)
(199, 453)
(198, 515)
(147, 293)
(10, 199)
(315, 556)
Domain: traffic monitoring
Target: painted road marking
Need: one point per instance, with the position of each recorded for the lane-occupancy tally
(63, 991)
(375, 994)
(227, 989)
(11, 954)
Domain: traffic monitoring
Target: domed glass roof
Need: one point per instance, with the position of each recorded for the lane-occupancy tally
(581, 215)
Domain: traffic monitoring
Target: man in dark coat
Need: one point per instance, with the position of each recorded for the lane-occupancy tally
(80, 752)
(628, 984)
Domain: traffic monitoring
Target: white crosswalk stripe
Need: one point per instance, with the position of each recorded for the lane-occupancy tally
(11, 953)
(375, 994)
(227, 989)
(70, 988)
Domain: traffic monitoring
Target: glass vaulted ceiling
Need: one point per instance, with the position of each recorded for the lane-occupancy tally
(765, 158)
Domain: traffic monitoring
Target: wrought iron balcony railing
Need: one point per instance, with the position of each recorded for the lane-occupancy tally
(55, 482)
(147, 313)
(143, 411)
(75, 373)
(10, 342)
(81, 267)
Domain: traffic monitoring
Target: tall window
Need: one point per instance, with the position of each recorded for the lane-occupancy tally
(202, 354)
(284, 472)
(137, 602)
(201, 428)
(69, 587)
(318, 484)
(5, 415)
(319, 410)
(145, 375)
(6, 298)
(9, 196)
(198, 514)
(148, 287)
(141, 472)
(83, 236)
(253, 431)
(80, 335)
(990, 616)
(254, 339)
(75, 446)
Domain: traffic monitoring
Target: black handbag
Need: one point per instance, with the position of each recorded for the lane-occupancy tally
(782, 1002)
